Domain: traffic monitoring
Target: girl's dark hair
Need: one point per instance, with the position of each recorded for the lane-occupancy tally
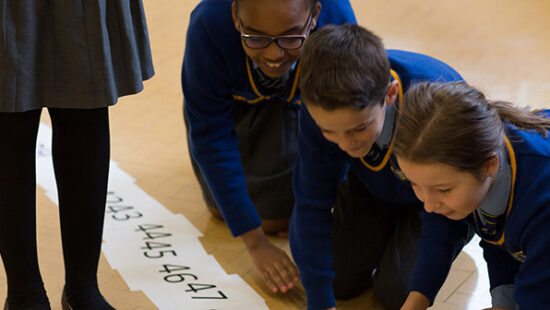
(454, 124)
(344, 66)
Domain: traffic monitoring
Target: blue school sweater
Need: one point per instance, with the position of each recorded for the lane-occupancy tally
(522, 230)
(216, 73)
(321, 167)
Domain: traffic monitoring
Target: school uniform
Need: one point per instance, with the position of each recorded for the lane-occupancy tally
(75, 58)
(242, 125)
(512, 221)
(71, 54)
(375, 221)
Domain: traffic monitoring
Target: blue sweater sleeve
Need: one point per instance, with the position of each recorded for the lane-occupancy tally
(441, 241)
(533, 279)
(318, 172)
(207, 82)
(209, 112)
(501, 266)
(336, 12)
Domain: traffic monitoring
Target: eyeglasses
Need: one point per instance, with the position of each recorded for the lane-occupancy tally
(288, 42)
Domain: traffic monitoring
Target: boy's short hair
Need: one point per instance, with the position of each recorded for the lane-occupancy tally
(344, 66)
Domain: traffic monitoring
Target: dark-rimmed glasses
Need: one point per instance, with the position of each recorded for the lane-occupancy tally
(287, 42)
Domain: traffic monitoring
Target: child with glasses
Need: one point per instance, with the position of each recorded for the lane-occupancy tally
(483, 164)
(240, 82)
(356, 220)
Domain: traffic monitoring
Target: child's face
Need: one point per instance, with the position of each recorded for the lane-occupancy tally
(353, 131)
(446, 190)
(274, 18)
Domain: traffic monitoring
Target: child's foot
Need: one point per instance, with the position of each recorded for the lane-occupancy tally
(29, 300)
(8, 305)
(84, 299)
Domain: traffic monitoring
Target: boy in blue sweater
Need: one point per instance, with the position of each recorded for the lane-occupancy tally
(348, 235)
(239, 77)
(483, 164)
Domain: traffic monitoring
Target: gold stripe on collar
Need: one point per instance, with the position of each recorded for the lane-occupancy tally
(241, 98)
(389, 151)
(294, 83)
(252, 81)
(260, 95)
(513, 163)
(396, 77)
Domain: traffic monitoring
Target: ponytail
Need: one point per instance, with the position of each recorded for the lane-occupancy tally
(522, 118)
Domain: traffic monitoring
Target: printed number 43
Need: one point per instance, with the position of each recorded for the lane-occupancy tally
(121, 213)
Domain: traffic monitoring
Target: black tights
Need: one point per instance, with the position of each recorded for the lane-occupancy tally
(80, 150)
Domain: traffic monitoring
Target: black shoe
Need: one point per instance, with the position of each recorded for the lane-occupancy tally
(94, 301)
(28, 304)
(64, 303)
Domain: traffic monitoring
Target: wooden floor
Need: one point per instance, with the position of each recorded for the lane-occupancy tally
(500, 46)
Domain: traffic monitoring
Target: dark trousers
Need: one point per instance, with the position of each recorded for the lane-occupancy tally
(268, 143)
(80, 150)
(374, 244)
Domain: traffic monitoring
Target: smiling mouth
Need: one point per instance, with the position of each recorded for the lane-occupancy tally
(273, 65)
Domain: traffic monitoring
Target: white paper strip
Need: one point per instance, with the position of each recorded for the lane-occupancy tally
(154, 250)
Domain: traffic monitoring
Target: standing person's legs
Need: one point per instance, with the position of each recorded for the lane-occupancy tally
(80, 150)
(18, 133)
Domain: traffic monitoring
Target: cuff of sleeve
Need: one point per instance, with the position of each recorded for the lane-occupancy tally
(425, 291)
(319, 296)
(247, 224)
(240, 217)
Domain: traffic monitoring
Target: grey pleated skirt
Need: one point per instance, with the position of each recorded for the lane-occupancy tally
(71, 53)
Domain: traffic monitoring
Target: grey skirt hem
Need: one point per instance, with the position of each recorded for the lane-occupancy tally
(71, 54)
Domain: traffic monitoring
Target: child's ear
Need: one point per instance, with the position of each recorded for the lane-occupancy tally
(234, 15)
(315, 17)
(490, 166)
(393, 93)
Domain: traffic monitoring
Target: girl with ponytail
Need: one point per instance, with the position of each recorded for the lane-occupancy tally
(483, 164)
